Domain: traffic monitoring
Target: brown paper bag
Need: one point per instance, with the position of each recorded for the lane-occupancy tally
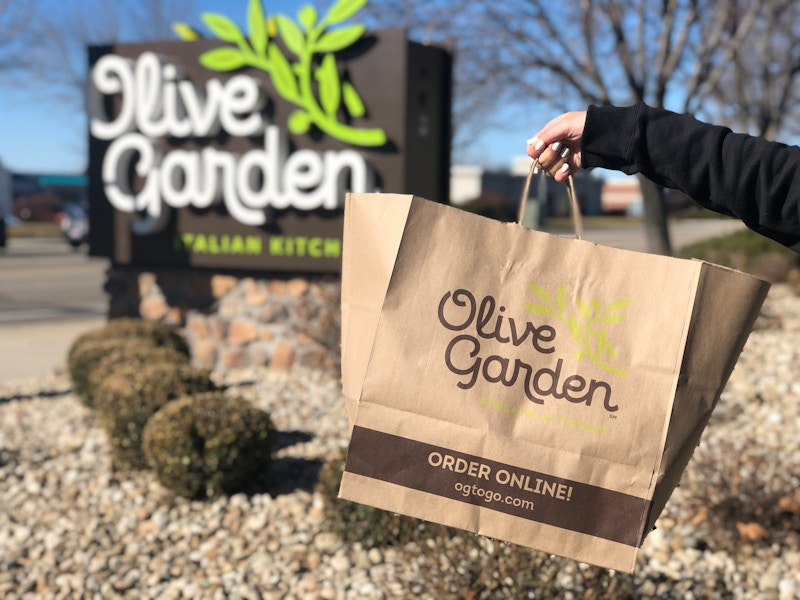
(545, 391)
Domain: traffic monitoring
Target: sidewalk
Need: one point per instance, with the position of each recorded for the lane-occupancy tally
(35, 349)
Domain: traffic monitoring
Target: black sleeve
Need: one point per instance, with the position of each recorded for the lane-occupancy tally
(747, 177)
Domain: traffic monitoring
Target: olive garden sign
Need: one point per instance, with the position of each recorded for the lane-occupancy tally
(235, 151)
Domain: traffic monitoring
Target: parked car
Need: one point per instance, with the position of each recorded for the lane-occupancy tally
(74, 224)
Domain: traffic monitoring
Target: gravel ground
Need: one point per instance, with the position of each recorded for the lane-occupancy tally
(70, 527)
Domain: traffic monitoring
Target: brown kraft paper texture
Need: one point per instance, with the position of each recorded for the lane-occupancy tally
(522, 385)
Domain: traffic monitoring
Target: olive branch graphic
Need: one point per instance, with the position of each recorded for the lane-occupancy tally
(588, 326)
(308, 39)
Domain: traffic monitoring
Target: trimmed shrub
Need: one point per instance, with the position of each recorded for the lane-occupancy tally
(82, 358)
(367, 525)
(133, 393)
(126, 328)
(93, 361)
(135, 352)
(208, 444)
(88, 349)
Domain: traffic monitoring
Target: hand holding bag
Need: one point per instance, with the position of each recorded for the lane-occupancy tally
(541, 390)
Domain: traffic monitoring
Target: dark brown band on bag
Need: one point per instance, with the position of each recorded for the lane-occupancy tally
(555, 501)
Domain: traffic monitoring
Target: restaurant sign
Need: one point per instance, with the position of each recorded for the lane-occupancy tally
(235, 151)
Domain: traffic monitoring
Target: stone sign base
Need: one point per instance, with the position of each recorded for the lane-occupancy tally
(233, 322)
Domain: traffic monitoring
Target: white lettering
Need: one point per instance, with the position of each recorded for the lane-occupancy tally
(150, 118)
(117, 165)
(248, 184)
(112, 75)
(157, 104)
(202, 112)
(155, 99)
(337, 165)
(243, 96)
(179, 175)
(303, 171)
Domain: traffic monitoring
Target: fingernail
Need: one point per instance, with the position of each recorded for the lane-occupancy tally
(537, 143)
(565, 153)
(565, 168)
(556, 147)
(535, 170)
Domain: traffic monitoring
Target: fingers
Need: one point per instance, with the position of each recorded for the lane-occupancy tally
(557, 160)
(567, 127)
(557, 145)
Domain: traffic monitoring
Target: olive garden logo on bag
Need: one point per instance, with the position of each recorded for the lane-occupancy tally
(460, 311)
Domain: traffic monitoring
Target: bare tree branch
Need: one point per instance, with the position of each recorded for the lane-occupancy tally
(731, 58)
(70, 26)
(674, 52)
(708, 77)
(614, 13)
(759, 89)
(590, 66)
(14, 22)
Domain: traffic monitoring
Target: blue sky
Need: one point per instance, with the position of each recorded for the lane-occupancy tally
(39, 136)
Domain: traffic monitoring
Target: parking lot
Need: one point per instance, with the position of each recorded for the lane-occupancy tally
(49, 294)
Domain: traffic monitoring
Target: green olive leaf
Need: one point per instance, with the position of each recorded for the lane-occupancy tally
(537, 309)
(257, 26)
(339, 39)
(222, 27)
(185, 32)
(561, 300)
(222, 59)
(291, 34)
(343, 10)
(352, 101)
(541, 293)
(329, 87)
(307, 16)
(602, 343)
(282, 75)
(574, 328)
(585, 310)
(299, 122)
(611, 319)
(619, 305)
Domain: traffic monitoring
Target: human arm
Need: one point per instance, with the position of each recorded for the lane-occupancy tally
(747, 177)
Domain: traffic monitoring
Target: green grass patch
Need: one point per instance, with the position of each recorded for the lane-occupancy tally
(595, 222)
(734, 249)
(695, 211)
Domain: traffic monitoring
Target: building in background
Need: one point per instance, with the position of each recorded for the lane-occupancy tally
(623, 196)
(43, 197)
(496, 193)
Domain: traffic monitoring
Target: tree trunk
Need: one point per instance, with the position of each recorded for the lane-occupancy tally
(655, 218)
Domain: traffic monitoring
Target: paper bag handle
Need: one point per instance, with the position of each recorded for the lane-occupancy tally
(577, 221)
